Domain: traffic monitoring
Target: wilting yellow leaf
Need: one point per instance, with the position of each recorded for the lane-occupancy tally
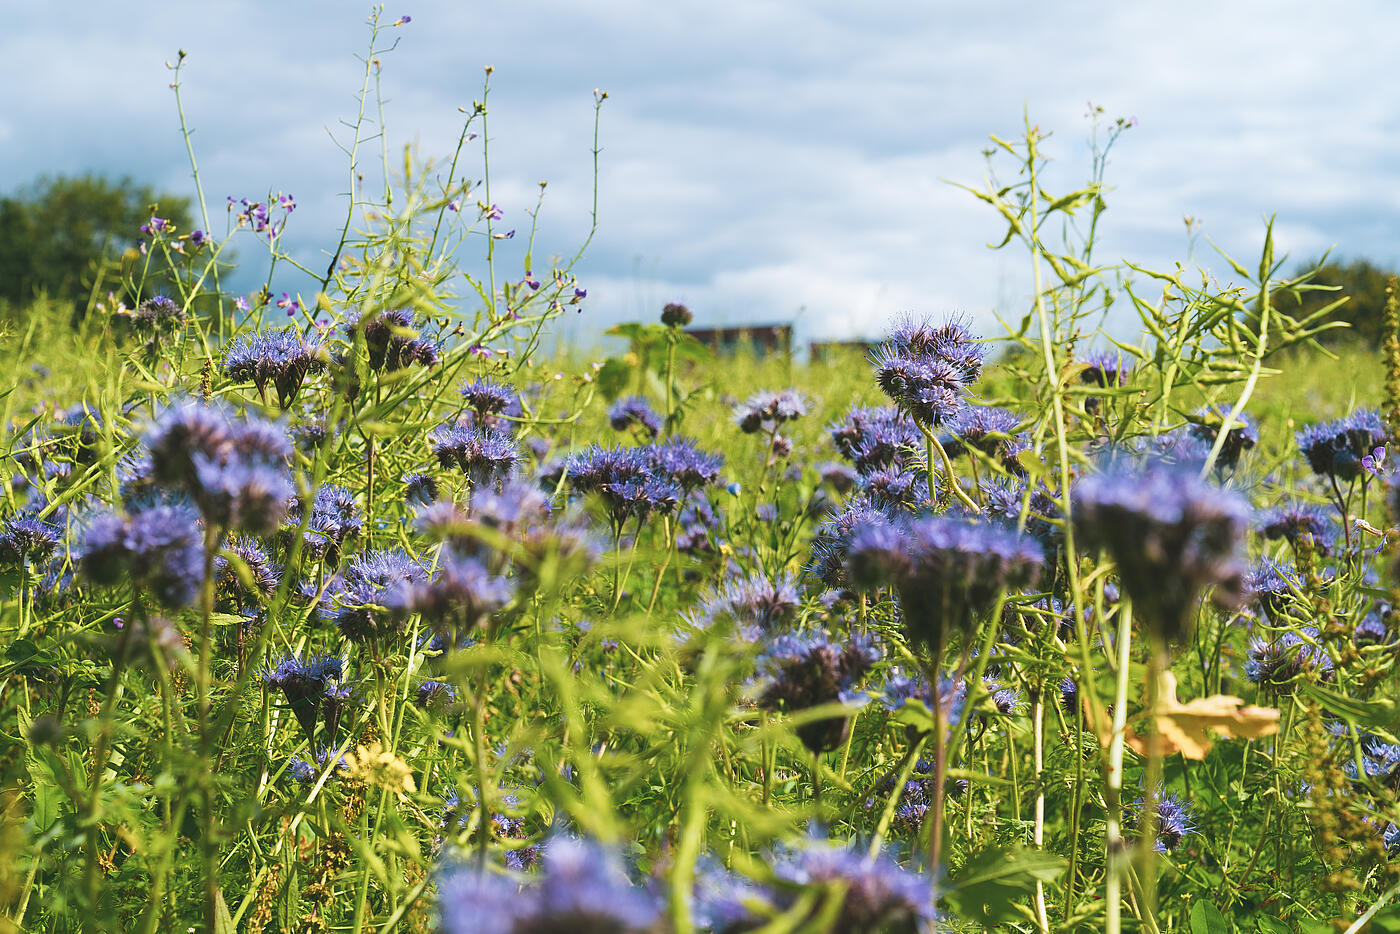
(1185, 728)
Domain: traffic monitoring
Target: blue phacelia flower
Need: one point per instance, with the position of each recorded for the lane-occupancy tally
(1171, 533)
(582, 888)
(634, 412)
(303, 683)
(1335, 449)
(766, 410)
(798, 671)
(158, 548)
(280, 358)
(927, 369)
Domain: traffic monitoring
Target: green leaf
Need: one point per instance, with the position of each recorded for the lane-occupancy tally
(915, 713)
(986, 889)
(1206, 919)
(1379, 713)
(1271, 925)
(630, 330)
(614, 377)
(223, 921)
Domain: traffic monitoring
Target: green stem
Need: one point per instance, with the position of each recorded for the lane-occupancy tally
(1116, 856)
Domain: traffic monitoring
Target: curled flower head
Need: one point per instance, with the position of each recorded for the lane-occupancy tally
(878, 554)
(627, 481)
(235, 469)
(158, 314)
(1106, 369)
(988, 429)
(1173, 821)
(335, 519)
(875, 438)
(1335, 449)
(1242, 436)
(159, 548)
(281, 358)
(486, 456)
(831, 544)
(1272, 588)
(365, 601)
(634, 412)
(420, 489)
(804, 670)
(246, 577)
(435, 695)
(927, 369)
(879, 895)
(956, 570)
(1300, 524)
(582, 888)
(676, 315)
(459, 597)
(766, 411)
(303, 683)
(1275, 663)
(490, 401)
(684, 463)
(752, 605)
(393, 340)
(23, 539)
(1171, 533)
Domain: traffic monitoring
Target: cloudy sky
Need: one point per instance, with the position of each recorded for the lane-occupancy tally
(768, 160)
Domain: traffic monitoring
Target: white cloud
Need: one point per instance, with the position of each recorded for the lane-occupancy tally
(759, 157)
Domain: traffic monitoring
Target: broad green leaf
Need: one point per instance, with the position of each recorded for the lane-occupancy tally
(988, 887)
(1206, 919)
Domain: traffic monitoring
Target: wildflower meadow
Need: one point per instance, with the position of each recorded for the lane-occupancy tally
(364, 606)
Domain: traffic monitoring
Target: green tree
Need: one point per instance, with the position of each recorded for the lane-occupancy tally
(1363, 284)
(56, 233)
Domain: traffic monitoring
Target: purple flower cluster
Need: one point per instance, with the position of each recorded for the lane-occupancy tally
(365, 600)
(927, 369)
(1298, 523)
(676, 315)
(281, 358)
(947, 571)
(876, 438)
(1335, 449)
(1171, 533)
(305, 683)
(634, 412)
(459, 597)
(335, 519)
(393, 341)
(808, 669)
(158, 315)
(1271, 588)
(485, 455)
(1275, 663)
(627, 480)
(582, 888)
(245, 576)
(1173, 821)
(990, 430)
(876, 894)
(26, 540)
(750, 606)
(235, 470)
(1106, 369)
(159, 548)
(1206, 425)
(768, 411)
(492, 404)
